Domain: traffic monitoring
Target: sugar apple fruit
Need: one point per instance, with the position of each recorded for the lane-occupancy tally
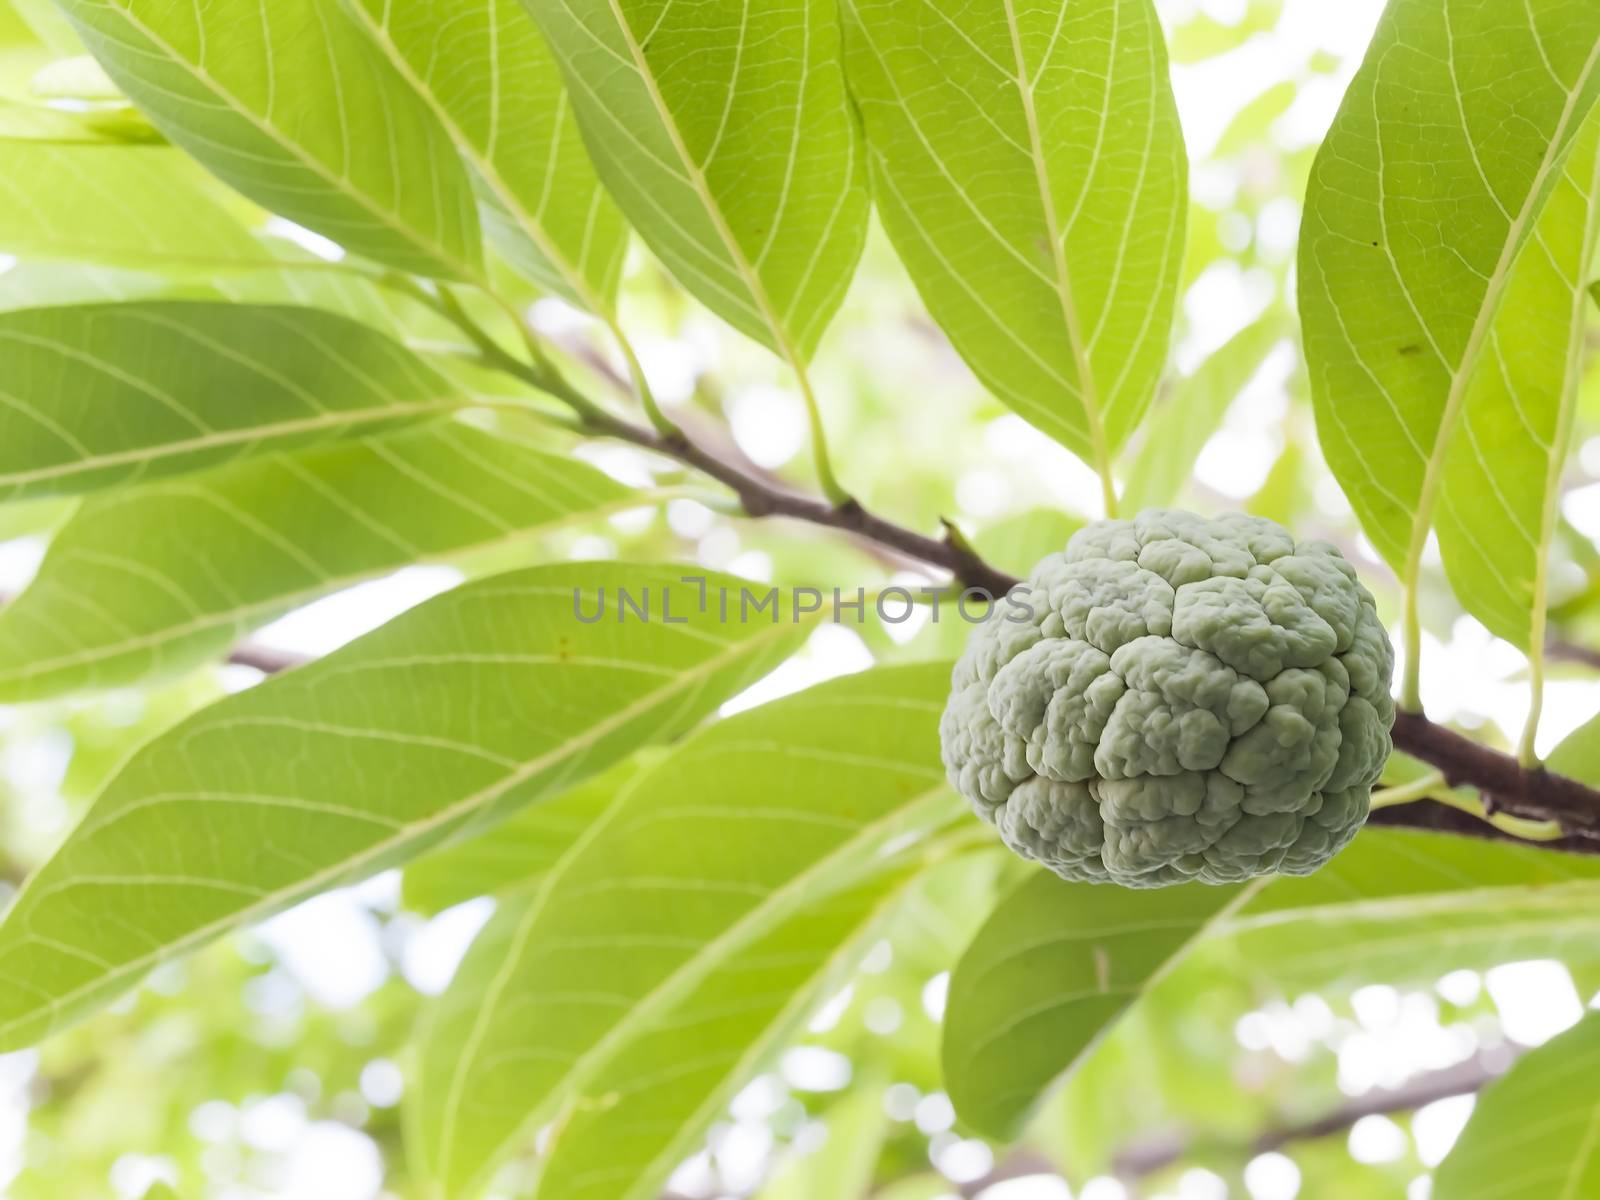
(1175, 698)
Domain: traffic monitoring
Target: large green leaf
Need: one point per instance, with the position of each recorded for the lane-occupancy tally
(447, 719)
(1432, 180)
(725, 134)
(845, 1165)
(1031, 172)
(1535, 1132)
(676, 911)
(1499, 502)
(1052, 968)
(291, 104)
(98, 395)
(119, 205)
(483, 68)
(198, 562)
(1057, 963)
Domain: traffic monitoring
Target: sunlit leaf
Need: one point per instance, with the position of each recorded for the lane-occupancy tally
(1449, 144)
(117, 205)
(1058, 963)
(1030, 170)
(99, 395)
(198, 562)
(660, 922)
(447, 719)
(1050, 970)
(485, 71)
(515, 854)
(290, 103)
(725, 135)
(1502, 474)
(1534, 1133)
(844, 1165)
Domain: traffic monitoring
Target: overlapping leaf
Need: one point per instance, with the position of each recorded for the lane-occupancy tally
(97, 395)
(1534, 1133)
(450, 717)
(152, 581)
(483, 68)
(287, 101)
(1498, 502)
(1057, 963)
(1451, 140)
(726, 137)
(689, 913)
(1048, 973)
(1031, 171)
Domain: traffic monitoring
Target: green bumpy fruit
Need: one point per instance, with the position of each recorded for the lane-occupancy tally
(1190, 699)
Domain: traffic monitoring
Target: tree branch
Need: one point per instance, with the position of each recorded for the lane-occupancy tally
(1462, 1079)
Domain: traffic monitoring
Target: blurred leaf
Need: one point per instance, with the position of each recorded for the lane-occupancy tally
(103, 394)
(197, 563)
(1183, 424)
(1255, 120)
(843, 1167)
(1397, 307)
(1204, 37)
(293, 106)
(516, 853)
(1400, 905)
(1050, 970)
(921, 1187)
(485, 71)
(1578, 754)
(1016, 544)
(1031, 173)
(654, 928)
(447, 719)
(1500, 496)
(118, 205)
(726, 137)
(1535, 1132)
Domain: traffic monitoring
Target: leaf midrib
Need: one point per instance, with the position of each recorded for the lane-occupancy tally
(484, 164)
(1088, 388)
(246, 613)
(697, 180)
(385, 217)
(776, 906)
(330, 875)
(1494, 293)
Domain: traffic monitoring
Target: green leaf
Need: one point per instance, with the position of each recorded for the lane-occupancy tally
(99, 395)
(1578, 754)
(725, 134)
(1030, 170)
(669, 917)
(291, 104)
(515, 854)
(486, 73)
(197, 563)
(651, 1105)
(1466, 107)
(1499, 501)
(127, 206)
(1184, 423)
(1535, 1132)
(1401, 905)
(1052, 968)
(1017, 543)
(446, 720)
(1058, 963)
